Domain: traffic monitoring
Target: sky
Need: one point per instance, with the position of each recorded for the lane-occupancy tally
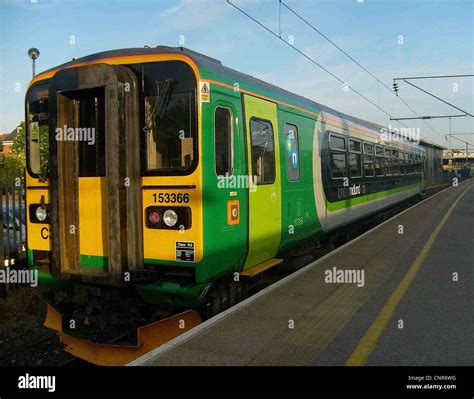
(390, 38)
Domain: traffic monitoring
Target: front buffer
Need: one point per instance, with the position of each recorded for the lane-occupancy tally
(149, 337)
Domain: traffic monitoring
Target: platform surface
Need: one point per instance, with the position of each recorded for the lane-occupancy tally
(304, 320)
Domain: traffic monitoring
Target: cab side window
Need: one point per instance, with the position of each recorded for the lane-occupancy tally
(223, 141)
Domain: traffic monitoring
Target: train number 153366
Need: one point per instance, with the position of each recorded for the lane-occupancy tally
(171, 198)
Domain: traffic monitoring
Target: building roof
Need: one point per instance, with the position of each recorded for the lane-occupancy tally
(10, 136)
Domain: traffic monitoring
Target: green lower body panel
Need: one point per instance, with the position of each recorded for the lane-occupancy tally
(46, 279)
(171, 294)
(93, 261)
(165, 293)
(53, 283)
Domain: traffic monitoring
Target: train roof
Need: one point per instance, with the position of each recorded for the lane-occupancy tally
(206, 62)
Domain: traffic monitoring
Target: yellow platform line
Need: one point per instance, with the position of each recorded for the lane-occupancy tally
(368, 342)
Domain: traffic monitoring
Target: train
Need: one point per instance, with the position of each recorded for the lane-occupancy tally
(159, 180)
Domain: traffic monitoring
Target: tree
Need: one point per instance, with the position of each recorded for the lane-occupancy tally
(10, 168)
(19, 143)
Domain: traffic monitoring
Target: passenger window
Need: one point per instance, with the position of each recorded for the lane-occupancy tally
(355, 165)
(368, 149)
(338, 157)
(369, 160)
(355, 158)
(406, 162)
(292, 152)
(338, 164)
(369, 166)
(337, 143)
(418, 163)
(223, 141)
(412, 163)
(379, 167)
(396, 170)
(262, 151)
(401, 161)
(354, 145)
(388, 161)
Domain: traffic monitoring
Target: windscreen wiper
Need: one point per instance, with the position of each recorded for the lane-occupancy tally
(164, 96)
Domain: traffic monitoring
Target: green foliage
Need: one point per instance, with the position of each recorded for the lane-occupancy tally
(19, 144)
(10, 168)
(44, 144)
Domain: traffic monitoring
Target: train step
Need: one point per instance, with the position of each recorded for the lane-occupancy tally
(261, 267)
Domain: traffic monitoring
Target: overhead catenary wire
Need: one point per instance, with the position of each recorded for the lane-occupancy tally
(326, 69)
(314, 62)
(309, 58)
(435, 77)
(440, 99)
(281, 2)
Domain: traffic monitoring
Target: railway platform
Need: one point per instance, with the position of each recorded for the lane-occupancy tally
(400, 294)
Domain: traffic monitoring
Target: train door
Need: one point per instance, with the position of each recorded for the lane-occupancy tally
(95, 173)
(263, 157)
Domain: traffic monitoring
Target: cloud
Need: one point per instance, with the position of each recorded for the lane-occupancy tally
(189, 15)
(175, 9)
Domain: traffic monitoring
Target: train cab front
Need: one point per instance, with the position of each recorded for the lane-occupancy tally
(114, 186)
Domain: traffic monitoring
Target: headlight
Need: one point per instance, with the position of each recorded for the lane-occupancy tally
(41, 213)
(170, 218)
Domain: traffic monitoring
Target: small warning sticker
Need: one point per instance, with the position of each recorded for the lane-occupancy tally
(184, 251)
(205, 90)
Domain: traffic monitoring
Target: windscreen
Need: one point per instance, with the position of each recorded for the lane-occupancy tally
(38, 129)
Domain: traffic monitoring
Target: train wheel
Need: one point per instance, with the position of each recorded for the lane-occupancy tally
(232, 294)
(238, 291)
(245, 289)
(216, 303)
(224, 294)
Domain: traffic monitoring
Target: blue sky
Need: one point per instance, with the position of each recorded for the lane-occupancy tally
(438, 39)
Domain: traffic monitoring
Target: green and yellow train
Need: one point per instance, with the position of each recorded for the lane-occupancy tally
(160, 174)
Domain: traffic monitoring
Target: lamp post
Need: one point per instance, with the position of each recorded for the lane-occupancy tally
(33, 53)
